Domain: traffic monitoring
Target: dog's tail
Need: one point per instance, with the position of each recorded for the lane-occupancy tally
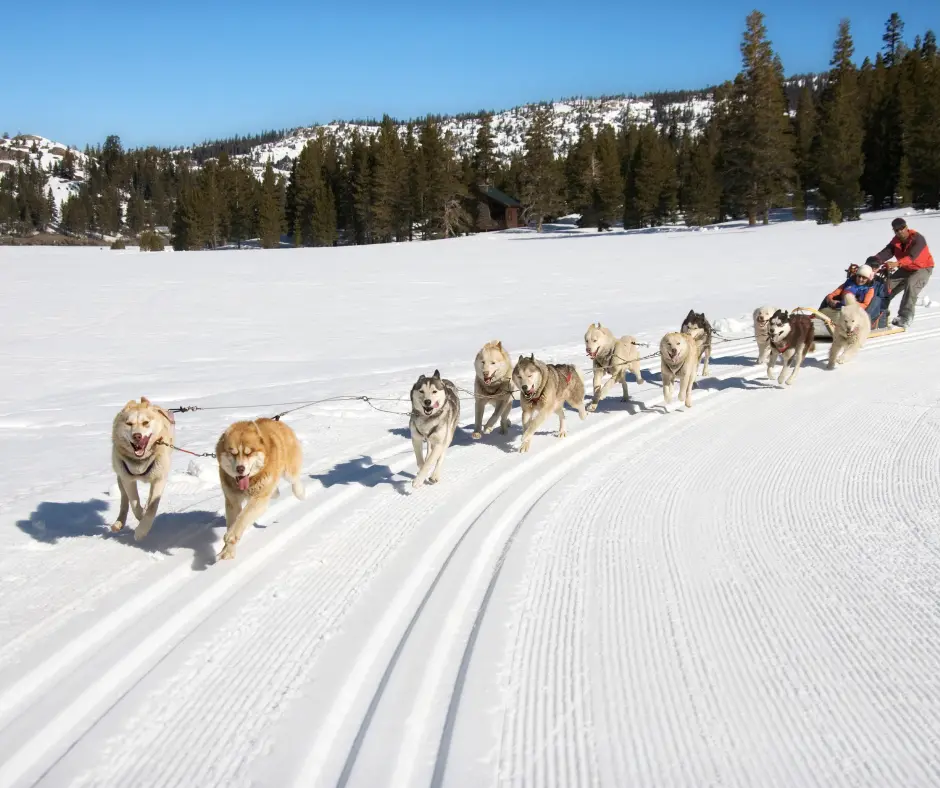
(849, 299)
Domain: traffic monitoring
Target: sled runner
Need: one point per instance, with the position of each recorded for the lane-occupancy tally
(822, 324)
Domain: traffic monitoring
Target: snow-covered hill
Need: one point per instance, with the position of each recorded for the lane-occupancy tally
(18, 151)
(743, 593)
(510, 126)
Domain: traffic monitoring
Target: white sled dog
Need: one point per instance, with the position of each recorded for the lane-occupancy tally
(253, 457)
(762, 317)
(679, 354)
(850, 331)
(544, 389)
(492, 386)
(435, 409)
(611, 356)
(792, 336)
(141, 439)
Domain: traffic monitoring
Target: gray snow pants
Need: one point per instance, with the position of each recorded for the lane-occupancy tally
(910, 283)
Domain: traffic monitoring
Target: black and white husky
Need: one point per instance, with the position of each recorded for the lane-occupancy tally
(696, 325)
(435, 410)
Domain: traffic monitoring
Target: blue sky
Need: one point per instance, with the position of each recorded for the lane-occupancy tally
(188, 71)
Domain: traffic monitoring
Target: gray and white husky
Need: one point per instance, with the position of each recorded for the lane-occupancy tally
(435, 409)
(544, 389)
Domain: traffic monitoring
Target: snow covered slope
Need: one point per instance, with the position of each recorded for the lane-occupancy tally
(19, 150)
(510, 126)
(744, 593)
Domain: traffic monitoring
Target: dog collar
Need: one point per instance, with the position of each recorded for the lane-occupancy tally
(142, 473)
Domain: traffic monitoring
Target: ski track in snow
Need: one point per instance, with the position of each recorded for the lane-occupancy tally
(719, 596)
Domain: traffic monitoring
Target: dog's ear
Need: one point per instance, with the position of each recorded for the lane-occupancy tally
(129, 404)
(165, 413)
(437, 374)
(499, 344)
(144, 401)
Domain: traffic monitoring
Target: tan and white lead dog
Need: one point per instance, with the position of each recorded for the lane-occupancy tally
(679, 355)
(141, 439)
(492, 386)
(762, 317)
(544, 389)
(611, 356)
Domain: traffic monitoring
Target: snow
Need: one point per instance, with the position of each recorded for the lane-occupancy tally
(44, 158)
(741, 594)
(509, 126)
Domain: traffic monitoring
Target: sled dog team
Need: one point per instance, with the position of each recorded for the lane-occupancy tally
(253, 456)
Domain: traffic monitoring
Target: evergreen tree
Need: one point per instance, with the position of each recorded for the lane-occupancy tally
(609, 185)
(541, 179)
(67, 166)
(186, 228)
(929, 49)
(762, 162)
(412, 187)
(269, 210)
(893, 40)
(443, 188)
(389, 185)
(701, 187)
(580, 173)
(484, 153)
(652, 191)
(923, 143)
(805, 134)
(52, 211)
(840, 158)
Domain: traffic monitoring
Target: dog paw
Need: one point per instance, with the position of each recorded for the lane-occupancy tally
(503, 429)
(299, 491)
(141, 531)
(227, 553)
(477, 435)
(138, 513)
(434, 479)
(592, 407)
(416, 483)
(841, 361)
(562, 433)
(117, 526)
(524, 447)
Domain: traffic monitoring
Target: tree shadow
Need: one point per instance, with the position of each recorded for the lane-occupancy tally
(53, 521)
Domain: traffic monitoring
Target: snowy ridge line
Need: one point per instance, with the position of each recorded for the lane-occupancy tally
(15, 697)
(399, 612)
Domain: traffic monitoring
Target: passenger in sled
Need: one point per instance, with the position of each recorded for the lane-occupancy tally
(870, 292)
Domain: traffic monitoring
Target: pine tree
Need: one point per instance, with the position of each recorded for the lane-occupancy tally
(541, 185)
(609, 186)
(805, 134)
(52, 211)
(484, 153)
(929, 49)
(389, 185)
(893, 40)
(443, 189)
(760, 155)
(412, 158)
(652, 190)
(840, 157)
(134, 219)
(269, 210)
(701, 188)
(923, 142)
(67, 166)
(580, 173)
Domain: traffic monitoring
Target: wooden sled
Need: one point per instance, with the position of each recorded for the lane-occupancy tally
(822, 324)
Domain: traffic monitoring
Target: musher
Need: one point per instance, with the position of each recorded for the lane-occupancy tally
(913, 265)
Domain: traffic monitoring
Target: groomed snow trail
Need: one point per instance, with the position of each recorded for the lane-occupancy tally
(739, 594)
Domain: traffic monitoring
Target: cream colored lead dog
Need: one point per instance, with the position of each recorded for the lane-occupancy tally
(141, 437)
(612, 356)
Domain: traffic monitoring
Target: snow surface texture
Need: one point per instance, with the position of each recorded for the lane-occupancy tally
(742, 594)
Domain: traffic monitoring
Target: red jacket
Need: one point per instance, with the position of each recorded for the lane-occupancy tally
(911, 254)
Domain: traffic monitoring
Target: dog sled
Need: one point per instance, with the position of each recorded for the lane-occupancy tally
(822, 324)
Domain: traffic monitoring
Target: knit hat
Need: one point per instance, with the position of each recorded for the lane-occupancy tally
(865, 271)
(898, 224)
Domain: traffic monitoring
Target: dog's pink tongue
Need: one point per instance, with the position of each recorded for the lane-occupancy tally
(244, 482)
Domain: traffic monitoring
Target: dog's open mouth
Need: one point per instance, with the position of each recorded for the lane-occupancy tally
(487, 378)
(243, 482)
(139, 445)
(429, 409)
(590, 354)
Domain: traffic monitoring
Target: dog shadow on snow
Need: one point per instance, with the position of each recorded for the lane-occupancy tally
(53, 522)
